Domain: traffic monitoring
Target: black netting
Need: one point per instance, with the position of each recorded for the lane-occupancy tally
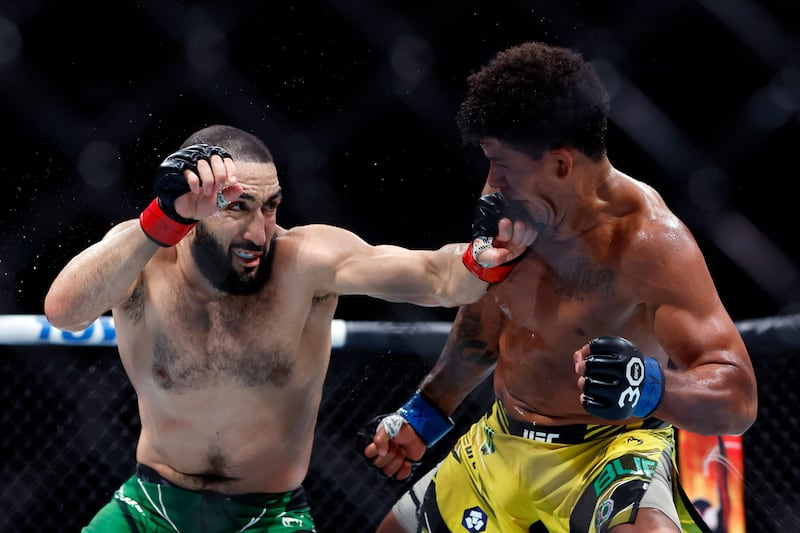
(69, 426)
(357, 101)
(771, 451)
(69, 432)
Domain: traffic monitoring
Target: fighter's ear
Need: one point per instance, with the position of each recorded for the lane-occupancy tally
(564, 160)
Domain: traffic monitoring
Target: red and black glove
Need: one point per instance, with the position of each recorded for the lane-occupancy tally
(160, 221)
(488, 211)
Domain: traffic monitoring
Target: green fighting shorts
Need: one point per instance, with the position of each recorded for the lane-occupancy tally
(147, 503)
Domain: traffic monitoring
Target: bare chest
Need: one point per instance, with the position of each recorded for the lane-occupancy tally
(217, 346)
(181, 344)
(566, 302)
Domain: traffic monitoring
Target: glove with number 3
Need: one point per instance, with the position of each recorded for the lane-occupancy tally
(620, 381)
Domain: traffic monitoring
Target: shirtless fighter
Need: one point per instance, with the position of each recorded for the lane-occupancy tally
(224, 329)
(607, 335)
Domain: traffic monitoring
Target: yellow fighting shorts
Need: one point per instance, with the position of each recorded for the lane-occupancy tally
(505, 476)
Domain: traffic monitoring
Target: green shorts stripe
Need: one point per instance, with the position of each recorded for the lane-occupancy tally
(147, 506)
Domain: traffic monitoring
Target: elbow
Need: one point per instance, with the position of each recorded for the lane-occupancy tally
(741, 415)
(57, 311)
(737, 425)
(730, 413)
(737, 397)
(747, 415)
(746, 406)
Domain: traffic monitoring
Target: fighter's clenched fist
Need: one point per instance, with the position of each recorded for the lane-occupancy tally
(617, 380)
(187, 184)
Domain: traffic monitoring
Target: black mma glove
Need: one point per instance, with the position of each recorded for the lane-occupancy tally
(620, 381)
(488, 211)
(169, 182)
(486, 214)
(160, 221)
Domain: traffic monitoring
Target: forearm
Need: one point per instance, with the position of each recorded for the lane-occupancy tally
(458, 286)
(98, 278)
(428, 411)
(712, 399)
(447, 393)
(470, 269)
(711, 387)
(468, 357)
(466, 360)
(431, 278)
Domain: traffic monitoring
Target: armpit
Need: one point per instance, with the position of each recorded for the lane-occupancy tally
(322, 297)
(134, 306)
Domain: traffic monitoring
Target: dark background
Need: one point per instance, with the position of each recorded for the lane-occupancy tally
(357, 101)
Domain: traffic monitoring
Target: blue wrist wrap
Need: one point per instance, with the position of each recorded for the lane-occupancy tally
(425, 418)
(652, 388)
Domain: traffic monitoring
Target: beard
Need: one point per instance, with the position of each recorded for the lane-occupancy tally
(215, 264)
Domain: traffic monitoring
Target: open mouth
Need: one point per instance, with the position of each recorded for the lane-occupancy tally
(248, 258)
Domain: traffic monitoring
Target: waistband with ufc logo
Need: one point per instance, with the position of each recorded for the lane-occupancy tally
(567, 434)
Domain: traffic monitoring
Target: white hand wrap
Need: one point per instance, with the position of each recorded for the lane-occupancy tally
(221, 201)
(478, 245)
(392, 424)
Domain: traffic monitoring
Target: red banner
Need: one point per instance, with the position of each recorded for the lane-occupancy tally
(712, 473)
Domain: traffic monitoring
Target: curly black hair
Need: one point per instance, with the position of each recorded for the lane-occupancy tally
(536, 97)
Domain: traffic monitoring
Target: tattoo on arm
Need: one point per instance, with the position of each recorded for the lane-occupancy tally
(475, 352)
(467, 359)
(470, 348)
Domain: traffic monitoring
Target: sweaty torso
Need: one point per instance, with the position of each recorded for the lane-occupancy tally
(561, 295)
(228, 388)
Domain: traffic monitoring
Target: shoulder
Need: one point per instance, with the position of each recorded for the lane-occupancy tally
(317, 254)
(660, 251)
(122, 226)
(319, 247)
(319, 238)
(656, 230)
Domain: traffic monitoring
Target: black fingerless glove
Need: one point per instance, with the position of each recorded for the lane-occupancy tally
(169, 182)
(160, 221)
(487, 214)
(488, 211)
(620, 381)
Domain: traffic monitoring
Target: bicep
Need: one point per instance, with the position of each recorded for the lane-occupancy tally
(389, 272)
(96, 280)
(476, 331)
(469, 356)
(690, 320)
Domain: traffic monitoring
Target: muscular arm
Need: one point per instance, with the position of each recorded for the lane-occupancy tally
(99, 278)
(103, 276)
(468, 357)
(422, 277)
(428, 278)
(713, 388)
